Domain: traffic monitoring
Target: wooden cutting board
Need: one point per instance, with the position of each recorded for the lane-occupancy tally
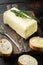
(19, 40)
(24, 44)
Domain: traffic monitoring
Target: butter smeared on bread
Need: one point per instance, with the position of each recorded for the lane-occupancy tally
(27, 60)
(5, 47)
(36, 43)
(24, 26)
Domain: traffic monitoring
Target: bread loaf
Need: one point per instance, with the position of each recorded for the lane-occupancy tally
(27, 60)
(19, 21)
(5, 47)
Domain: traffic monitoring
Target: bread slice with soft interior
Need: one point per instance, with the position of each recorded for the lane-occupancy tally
(36, 43)
(5, 47)
(27, 60)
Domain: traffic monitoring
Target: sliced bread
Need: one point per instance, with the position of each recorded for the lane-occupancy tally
(5, 47)
(36, 43)
(27, 60)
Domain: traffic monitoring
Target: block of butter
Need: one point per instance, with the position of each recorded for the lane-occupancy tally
(21, 22)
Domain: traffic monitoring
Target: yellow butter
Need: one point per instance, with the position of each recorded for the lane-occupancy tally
(25, 27)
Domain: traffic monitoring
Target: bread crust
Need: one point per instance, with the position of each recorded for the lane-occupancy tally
(6, 54)
(19, 63)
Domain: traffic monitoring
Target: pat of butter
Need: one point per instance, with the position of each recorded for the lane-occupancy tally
(25, 27)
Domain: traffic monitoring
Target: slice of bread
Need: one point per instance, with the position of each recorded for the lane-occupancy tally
(5, 47)
(36, 43)
(27, 60)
